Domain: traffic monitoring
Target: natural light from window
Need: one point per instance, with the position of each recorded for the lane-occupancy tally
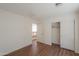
(34, 29)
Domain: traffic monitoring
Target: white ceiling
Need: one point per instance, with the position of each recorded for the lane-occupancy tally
(39, 9)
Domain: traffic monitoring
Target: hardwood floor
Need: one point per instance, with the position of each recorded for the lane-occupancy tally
(40, 49)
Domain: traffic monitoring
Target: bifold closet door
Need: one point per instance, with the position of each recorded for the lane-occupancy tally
(67, 34)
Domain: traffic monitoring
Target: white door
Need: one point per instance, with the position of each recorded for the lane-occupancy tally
(67, 34)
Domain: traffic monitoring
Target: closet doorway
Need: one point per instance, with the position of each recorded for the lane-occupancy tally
(56, 33)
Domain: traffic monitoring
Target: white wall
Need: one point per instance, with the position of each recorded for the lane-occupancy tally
(15, 32)
(46, 31)
(40, 32)
(67, 34)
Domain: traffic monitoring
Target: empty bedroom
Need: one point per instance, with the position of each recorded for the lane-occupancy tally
(39, 29)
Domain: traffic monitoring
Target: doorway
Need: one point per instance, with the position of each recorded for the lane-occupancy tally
(34, 34)
(56, 33)
(63, 34)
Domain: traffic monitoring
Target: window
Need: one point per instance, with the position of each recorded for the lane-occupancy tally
(34, 29)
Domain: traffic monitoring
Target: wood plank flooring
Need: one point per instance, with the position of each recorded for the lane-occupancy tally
(40, 49)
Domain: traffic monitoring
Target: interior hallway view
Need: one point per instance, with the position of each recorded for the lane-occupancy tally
(39, 29)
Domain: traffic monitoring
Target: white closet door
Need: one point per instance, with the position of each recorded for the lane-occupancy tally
(67, 34)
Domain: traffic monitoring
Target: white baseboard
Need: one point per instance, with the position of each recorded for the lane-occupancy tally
(7, 52)
(45, 43)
